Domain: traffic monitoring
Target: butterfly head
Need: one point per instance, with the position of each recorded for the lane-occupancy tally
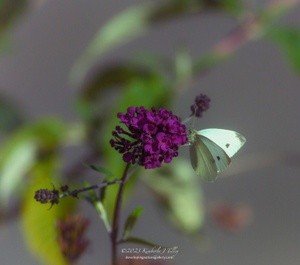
(192, 135)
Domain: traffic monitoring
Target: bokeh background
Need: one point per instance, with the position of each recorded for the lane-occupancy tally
(256, 93)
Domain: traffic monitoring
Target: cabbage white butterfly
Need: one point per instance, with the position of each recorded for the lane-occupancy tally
(211, 150)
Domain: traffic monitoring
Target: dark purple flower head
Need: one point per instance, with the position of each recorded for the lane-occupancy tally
(201, 104)
(71, 236)
(152, 136)
(47, 196)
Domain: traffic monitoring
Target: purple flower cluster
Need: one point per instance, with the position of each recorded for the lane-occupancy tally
(71, 236)
(47, 196)
(201, 104)
(153, 136)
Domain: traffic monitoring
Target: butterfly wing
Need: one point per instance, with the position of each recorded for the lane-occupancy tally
(207, 158)
(229, 141)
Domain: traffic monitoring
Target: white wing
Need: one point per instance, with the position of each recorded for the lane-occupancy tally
(229, 141)
(207, 158)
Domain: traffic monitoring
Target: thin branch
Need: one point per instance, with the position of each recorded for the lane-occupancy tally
(116, 216)
(74, 193)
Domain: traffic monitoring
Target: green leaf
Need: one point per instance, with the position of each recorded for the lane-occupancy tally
(180, 195)
(16, 159)
(10, 116)
(208, 61)
(95, 100)
(138, 240)
(131, 220)
(232, 6)
(153, 62)
(119, 30)
(183, 65)
(38, 221)
(113, 76)
(6, 45)
(74, 134)
(137, 20)
(102, 170)
(19, 153)
(49, 132)
(93, 198)
(102, 214)
(9, 12)
(288, 40)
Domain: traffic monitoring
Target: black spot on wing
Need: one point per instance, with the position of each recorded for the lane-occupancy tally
(218, 158)
(227, 145)
(241, 138)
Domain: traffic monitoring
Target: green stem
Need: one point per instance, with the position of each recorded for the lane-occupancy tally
(116, 217)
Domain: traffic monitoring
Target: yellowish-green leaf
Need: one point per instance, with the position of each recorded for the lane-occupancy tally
(183, 65)
(19, 151)
(102, 214)
(288, 40)
(49, 132)
(131, 220)
(14, 164)
(38, 221)
(181, 195)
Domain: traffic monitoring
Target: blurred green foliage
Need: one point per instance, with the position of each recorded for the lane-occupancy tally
(288, 40)
(30, 157)
(10, 116)
(137, 20)
(179, 193)
(39, 223)
(22, 150)
(10, 10)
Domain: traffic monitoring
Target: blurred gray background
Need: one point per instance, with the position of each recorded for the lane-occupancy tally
(255, 93)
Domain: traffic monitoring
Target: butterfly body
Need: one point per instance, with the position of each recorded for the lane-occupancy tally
(211, 150)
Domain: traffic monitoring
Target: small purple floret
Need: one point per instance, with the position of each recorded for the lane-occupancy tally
(152, 136)
(201, 104)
